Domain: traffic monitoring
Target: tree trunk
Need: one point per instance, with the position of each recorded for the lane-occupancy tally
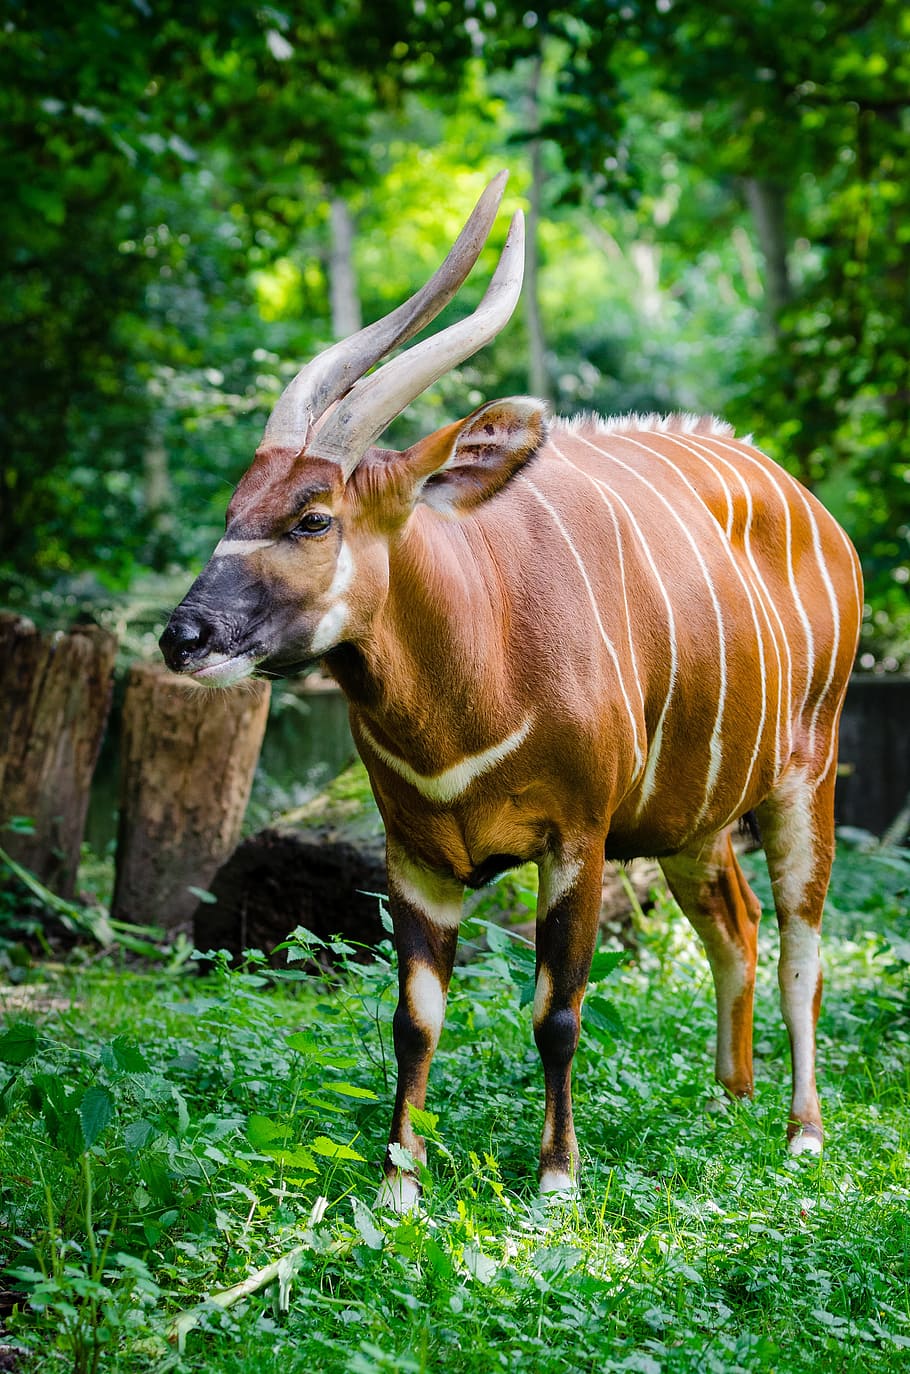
(187, 761)
(159, 502)
(768, 204)
(55, 693)
(345, 301)
(538, 376)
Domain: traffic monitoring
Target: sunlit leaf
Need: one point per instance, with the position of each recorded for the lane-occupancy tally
(330, 1149)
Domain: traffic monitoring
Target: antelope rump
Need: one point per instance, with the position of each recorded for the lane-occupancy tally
(560, 641)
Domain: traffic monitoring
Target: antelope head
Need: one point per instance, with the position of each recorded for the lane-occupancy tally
(303, 564)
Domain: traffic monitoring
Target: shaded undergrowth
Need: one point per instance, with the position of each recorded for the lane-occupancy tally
(164, 1137)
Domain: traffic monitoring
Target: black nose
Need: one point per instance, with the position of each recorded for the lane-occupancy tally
(185, 638)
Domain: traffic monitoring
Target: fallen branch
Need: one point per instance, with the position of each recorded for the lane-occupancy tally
(282, 1270)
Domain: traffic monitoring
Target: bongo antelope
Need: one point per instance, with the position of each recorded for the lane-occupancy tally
(560, 641)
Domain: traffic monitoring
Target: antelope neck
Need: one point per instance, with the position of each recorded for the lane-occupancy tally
(431, 672)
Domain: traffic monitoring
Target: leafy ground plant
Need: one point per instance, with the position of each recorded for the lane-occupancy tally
(169, 1140)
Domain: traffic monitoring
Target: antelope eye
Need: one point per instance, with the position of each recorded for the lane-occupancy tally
(313, 522)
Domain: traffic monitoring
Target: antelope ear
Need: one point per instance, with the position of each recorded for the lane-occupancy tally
(468, 462)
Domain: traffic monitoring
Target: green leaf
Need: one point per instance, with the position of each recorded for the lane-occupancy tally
(601, 1016)
(202, 895)
(604, 962)
(528, 988)
(323, 1104)
(128, 1055)
(19, 1044)
(425, 1123)
(351, 1090)
(96, 1111)
(329, 1149)
(439, 1260)
(366, 1227)
(137, 1135)
(294, 1159)
(260, 1130)
(479, 1265)
(402, 1158)
(183, 1112)
(20, 825)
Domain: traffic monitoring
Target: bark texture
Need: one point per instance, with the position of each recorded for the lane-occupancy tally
(55, 694)
(187, 761)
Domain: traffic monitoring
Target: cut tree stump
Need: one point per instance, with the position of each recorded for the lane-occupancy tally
(55, 694)
(187, 759)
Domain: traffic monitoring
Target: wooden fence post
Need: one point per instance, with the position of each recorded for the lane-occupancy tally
(187, 758)
(55, 694)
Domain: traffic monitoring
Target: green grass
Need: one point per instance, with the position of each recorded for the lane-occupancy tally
(164, 1136)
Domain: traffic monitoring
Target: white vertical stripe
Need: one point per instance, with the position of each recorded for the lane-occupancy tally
(715, 749)
(769, 469)
(798, 973)
(744, 583)
(768, 607)
(617, 531)
(656, 742)
(835, 621)
(554, 515)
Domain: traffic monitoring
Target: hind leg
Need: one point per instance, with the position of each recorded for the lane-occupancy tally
(709, 885)
(797, 823)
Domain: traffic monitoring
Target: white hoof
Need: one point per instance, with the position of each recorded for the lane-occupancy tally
(808, 1141)
(398, 1194)
(556, 1181)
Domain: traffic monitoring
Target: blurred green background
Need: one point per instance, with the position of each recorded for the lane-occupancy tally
(197, 197)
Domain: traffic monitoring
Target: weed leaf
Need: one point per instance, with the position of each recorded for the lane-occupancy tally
(479, 1265)
(95, 1113)
(424, 1122)
(601, 1016)
(19, 1043)
(294, 1159)
(402, 1158)
(366, 1227)
(329, 1149)
(128, 1055)
(350, 1090)
(604, 962)
(202, 895)
(137, 1135)
(261, 1130)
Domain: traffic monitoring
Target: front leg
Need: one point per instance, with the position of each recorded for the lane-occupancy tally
(568, 910)
(426, 910)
